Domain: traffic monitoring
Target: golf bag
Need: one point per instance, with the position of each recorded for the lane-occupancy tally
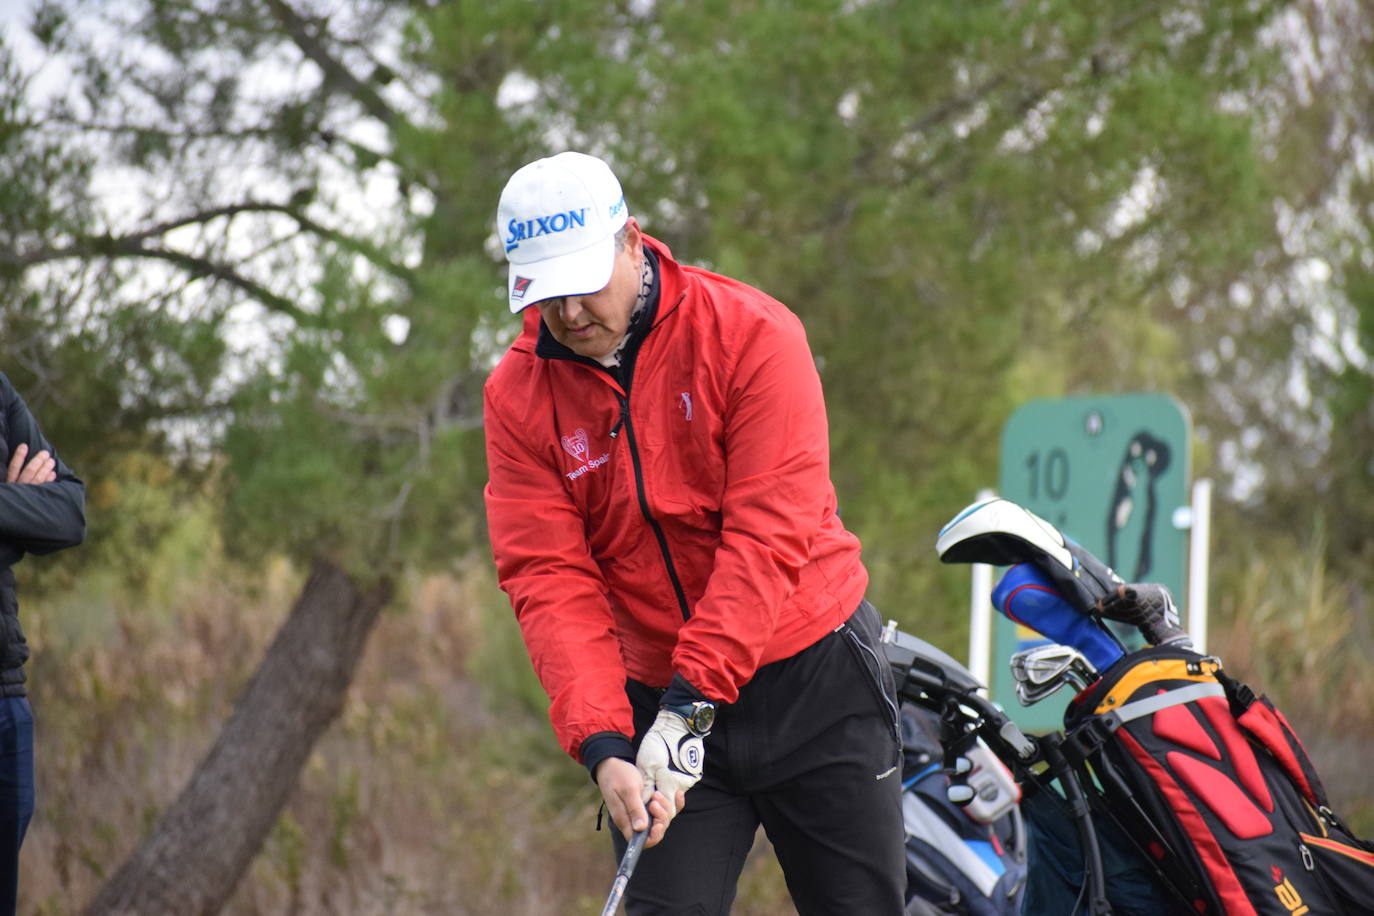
(1215, 789)
(1164, 753)
(956, 863)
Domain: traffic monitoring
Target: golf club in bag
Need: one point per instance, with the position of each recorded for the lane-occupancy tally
(1166, 764)
(1039, 671)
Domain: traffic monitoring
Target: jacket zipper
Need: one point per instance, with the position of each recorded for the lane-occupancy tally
(624, 422)
(644, 503)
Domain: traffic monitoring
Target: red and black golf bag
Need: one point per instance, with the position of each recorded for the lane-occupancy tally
(1215, 789)
(1204, 780)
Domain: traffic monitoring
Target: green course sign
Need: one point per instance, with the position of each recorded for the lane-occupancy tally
(1110, 471)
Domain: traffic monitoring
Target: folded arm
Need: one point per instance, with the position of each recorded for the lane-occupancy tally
(42, 503)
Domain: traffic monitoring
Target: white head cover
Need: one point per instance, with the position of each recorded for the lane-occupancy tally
(557, 221)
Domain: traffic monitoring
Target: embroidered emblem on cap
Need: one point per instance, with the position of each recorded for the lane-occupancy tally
(522, 286)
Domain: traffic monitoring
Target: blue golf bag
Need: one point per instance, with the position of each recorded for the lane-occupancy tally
(955, 863)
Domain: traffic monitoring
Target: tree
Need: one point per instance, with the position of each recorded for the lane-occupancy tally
(968, 204)
(327, 421)
(1298, 352)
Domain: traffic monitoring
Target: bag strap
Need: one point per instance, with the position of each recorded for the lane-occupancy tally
(1262, 719)
(1087, 737)
(1148, 706)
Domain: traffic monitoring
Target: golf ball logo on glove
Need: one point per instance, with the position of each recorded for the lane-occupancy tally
(670, 758)
(690, 754)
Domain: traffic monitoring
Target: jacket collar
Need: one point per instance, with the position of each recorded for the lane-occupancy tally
(670, 280)
(547, 347)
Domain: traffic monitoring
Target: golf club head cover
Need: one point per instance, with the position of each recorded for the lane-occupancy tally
(958, 791)
(1150, 608)
(670, 758)
(1026, 595)
(1001, 533)
(956, 742)
(981, 784)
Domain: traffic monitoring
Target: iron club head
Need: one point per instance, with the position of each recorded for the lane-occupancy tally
(1041, 670)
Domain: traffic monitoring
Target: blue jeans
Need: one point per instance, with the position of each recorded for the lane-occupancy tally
(16, 793)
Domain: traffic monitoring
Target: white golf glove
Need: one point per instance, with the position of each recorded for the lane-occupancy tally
(670, 758)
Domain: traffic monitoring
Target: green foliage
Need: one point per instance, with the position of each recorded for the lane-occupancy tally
(345, 811)
(285, 852)
(968, 205)
(499, 662)
(938, 190)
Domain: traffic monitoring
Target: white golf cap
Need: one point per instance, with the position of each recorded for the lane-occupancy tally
(557, 221)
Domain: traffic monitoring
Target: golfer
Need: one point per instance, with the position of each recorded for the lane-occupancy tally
(663, 520)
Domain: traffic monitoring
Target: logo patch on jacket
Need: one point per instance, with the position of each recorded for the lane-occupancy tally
(576, 444)
(579, 448)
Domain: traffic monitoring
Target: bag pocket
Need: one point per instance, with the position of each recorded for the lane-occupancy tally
(1346, 870)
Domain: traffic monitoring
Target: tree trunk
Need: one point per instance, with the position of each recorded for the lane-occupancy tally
(205, 841)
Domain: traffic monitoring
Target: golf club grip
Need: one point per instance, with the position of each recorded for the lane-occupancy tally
(622, 875)
(1005, 729)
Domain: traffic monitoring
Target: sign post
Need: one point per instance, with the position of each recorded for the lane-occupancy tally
(1111, 472)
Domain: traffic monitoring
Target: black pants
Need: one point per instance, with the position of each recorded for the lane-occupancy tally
(811, 750)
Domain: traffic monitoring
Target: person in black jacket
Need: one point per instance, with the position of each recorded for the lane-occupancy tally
(42, 509)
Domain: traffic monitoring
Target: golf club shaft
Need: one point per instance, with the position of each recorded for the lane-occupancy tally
(627, 866)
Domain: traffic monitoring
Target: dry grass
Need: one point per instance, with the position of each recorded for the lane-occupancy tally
(439, 790)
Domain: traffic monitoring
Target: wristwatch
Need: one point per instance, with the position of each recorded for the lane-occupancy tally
(699, 716)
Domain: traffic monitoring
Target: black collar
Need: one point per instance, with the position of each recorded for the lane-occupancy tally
(641, 323)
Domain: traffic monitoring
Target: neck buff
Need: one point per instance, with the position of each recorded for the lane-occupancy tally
(646, 285)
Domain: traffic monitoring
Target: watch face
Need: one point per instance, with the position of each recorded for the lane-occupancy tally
(704, 717)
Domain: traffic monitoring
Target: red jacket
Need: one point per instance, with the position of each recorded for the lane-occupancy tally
(704, 494)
